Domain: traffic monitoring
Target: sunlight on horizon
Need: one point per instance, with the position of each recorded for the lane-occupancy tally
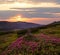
(19, 18)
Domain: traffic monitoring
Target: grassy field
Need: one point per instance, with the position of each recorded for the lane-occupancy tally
(54, 30)
(6, 39)
(34, 41)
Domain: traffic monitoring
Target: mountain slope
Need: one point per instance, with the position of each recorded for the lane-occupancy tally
(4, 25)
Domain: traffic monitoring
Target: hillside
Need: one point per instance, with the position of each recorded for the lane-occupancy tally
(33, 41)
(4, 25)
(53, 29)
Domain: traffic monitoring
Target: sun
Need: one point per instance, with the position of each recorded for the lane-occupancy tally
(18, 18)
(15, 18)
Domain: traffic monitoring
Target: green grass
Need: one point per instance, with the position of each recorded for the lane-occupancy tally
(6, 40)
(55, 31)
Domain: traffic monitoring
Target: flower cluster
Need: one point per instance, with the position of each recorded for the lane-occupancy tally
(19, 44)
(50, 38)
(25, 46)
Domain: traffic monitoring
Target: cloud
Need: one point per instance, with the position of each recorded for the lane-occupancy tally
(45, 1)
(36, 15)
(28, 3)
(32, 12)
(33, 1)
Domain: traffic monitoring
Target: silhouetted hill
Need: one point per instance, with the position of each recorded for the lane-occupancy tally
(54, 24)
(5, 25)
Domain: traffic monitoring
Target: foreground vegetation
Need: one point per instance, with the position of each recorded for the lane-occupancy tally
(35, 41)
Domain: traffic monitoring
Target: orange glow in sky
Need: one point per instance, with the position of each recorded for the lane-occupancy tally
(32, 20)
(17, 18)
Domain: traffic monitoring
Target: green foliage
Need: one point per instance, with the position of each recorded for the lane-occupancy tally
(30, 37)
(52, 31)
(5, 32)
(22, 32)
(34, 30)
(6, 40)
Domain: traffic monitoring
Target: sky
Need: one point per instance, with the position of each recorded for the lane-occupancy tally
(35, 11)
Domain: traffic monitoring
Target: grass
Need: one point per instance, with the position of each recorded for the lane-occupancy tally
(54, 31)
(6, 40)
(49, 48)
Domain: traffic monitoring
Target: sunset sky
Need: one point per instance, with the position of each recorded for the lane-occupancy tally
(35, 11)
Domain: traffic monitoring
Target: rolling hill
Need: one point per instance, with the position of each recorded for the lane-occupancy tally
(4, 25)
(39, 41)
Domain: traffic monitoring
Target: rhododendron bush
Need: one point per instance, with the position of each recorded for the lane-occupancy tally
(45, 45)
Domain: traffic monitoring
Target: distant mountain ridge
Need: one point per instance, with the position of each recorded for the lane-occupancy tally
(55, 23)
(5, 25)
